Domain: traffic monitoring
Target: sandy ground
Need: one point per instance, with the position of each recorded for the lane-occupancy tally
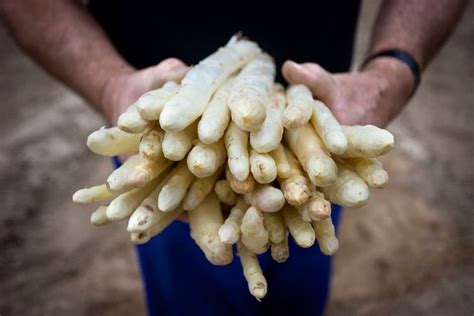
(410, 252)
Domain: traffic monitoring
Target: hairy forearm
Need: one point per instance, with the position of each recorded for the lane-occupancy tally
(63, 37)
(418, 27)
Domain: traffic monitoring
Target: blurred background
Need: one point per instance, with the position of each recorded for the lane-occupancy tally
(409, 252)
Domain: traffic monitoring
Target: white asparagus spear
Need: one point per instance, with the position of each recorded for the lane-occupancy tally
(316, 208)
(275, 226)
(295, 188)
(371, 170)
(204, 160)
(146, 171)
(147, 215)
(240, 187)
(150, 144)
(280, 252)
(198, 191)
(283, 166)
(367, 141)
(216, 116)
(117, 181)
(152, 103)
(98, 193)
(176, 187)
(130, 121)
(326, 236)
(229, 232)
(205, 222)
(253, 233)
(251, 92)
(300, 106)
(312, 155)
(112, 142)
(224, 192)
(236, 143)
(177, 144)
(123, 206)
(263, 167)
(301, 231)
(266, 198)
(252, 272)
(202, 80)
(269, 135)
(328, 128)
(348, 190)
(99, 216)
(159, 220)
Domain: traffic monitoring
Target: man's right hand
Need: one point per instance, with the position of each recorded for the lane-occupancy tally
(123, 90)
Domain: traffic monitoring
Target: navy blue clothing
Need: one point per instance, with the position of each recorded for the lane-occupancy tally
(180, 281)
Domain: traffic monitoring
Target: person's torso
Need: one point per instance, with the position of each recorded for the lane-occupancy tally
(146, 32)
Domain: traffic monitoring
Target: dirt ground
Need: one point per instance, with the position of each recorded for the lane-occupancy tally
(410, 252)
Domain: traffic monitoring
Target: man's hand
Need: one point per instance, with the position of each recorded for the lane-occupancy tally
(125, 89)
(374, 95)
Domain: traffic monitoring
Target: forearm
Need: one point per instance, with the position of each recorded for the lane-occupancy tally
(64, 38)
(418, 27)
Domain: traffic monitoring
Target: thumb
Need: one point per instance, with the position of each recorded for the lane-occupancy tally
(315, 77)
(171, 69)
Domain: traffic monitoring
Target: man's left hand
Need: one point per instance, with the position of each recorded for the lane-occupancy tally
(374, 95)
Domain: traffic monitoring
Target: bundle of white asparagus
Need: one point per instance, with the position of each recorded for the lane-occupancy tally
(249, 162)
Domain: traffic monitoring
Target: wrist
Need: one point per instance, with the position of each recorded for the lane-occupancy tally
(111, 91)
(394, 74)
